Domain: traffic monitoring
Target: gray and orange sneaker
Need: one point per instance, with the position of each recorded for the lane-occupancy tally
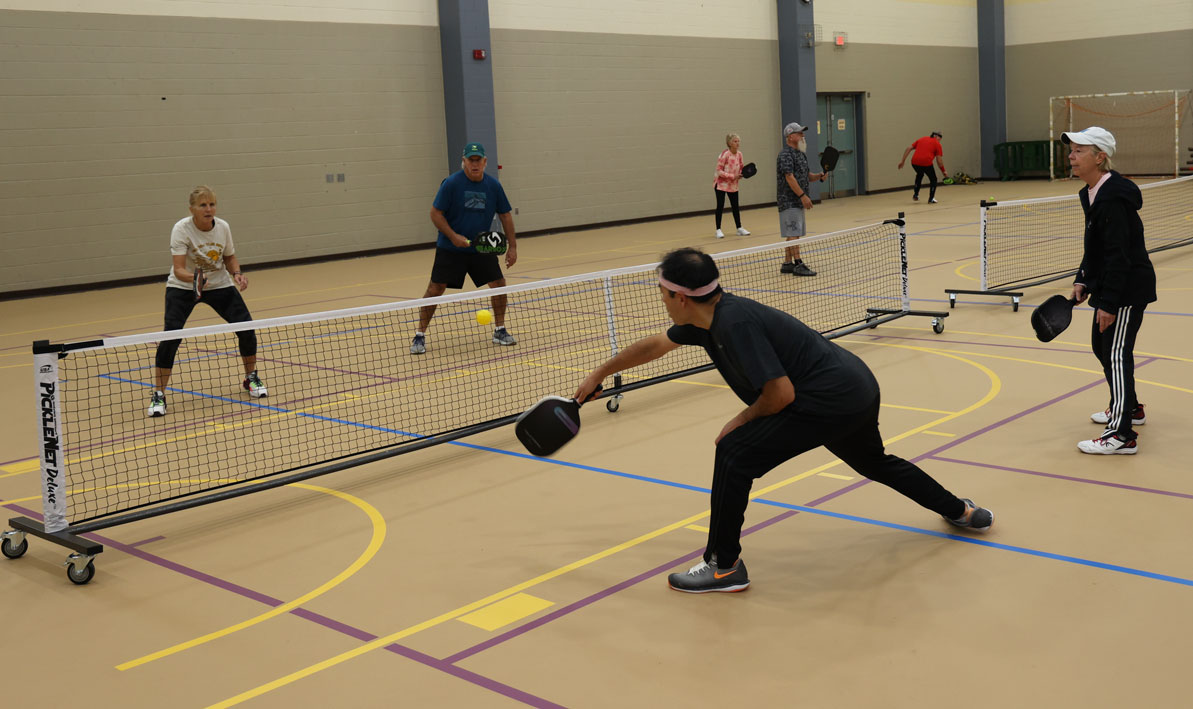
(976, 518)
(706, 577)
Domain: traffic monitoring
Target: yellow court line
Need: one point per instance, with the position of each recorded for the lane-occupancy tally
(697, 528)
(453, 614)
(367, 555)
(958, 271)
(835, 476)
(939, 433)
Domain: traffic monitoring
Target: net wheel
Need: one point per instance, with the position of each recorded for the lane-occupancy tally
(952, 300)
(80, 576)
(1014, 305)
(612, 405)
(937, 325)
(14, 551)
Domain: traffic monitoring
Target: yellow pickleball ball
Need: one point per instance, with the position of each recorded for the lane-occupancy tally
(484, 317)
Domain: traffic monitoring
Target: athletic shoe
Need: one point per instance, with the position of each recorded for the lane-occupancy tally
(932, 200)
(706, 577)
(742, 231)
(801, 269)
(915, 197)
(1109, 444)
(501, 337)
(976, 518)
(720, 234)
(1138, 418)
(418, 345)
(254, 386)
(157, 404)
(787, 267)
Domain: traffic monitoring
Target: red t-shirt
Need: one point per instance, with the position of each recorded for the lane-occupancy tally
(926, 149)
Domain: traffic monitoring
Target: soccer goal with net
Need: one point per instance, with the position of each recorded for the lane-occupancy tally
(1149, 127)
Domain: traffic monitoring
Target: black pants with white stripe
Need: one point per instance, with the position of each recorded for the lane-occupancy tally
(1115, 349)
(754, 449)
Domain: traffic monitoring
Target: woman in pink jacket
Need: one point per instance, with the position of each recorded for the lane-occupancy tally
(729, 166)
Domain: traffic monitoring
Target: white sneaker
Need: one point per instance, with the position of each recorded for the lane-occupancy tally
(1109, 444)
(1138, 417)
(741, 231)
(157, 404)
(720, 234)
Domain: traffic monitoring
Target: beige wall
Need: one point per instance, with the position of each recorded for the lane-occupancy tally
(596, 128)
(912, 91)
(109, 120)
(1147, 62)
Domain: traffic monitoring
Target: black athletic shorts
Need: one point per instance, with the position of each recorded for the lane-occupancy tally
(450, 267)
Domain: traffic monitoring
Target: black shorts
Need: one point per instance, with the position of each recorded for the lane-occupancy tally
(450, 267)
(226, 302)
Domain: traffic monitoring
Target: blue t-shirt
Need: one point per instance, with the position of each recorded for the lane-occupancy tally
(469, 206)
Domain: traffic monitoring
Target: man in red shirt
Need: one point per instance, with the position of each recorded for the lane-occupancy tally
(925, 149)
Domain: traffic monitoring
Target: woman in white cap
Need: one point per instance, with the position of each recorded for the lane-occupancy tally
(1117, 277)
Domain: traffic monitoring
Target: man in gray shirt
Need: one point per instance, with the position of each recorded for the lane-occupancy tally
(793, 179)
(801, 392)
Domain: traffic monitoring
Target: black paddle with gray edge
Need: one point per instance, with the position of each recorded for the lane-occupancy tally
(548, 425)
(1052, 317)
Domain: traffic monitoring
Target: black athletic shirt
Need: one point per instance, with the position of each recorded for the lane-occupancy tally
(751, 344)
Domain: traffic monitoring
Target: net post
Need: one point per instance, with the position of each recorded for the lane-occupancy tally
(982, 244)
(1051, 154)
(610, 315)
(905, 285)
(53, 452)
(1176, 135)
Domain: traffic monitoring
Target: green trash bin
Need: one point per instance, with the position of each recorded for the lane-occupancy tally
(1028, 158)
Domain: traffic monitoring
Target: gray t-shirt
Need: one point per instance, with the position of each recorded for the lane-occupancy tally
(791, 162)
(751, 344)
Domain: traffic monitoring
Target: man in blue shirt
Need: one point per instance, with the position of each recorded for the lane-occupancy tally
(464, 207)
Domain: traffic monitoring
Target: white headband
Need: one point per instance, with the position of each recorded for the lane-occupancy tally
(702, 290)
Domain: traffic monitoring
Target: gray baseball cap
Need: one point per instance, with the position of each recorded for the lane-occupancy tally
(793, 128)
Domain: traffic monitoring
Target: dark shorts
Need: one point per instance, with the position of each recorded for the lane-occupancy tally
(226, 302)
(451, 266)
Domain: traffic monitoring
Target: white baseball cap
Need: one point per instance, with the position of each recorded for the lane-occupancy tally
(1100, 138)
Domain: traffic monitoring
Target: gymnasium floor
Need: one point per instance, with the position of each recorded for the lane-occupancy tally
(469, 575)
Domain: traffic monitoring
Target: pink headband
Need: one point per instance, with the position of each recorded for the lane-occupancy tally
(702, 290)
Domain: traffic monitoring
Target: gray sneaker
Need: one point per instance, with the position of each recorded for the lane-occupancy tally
(707, 577)
(979, 520)
(502, 337)
(418, 345)
(787, 267)
(801, 269)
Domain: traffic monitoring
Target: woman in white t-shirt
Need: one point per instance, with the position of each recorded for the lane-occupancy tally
(202, 244)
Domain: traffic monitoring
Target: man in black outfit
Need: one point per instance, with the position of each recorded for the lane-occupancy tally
(801, 391)
(1118, 278)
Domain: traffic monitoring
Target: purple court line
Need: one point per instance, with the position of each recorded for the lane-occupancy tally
(409, 653)
(978, 344)
(514, 632)
(150, 540)
(588, 600)
(1088, 481)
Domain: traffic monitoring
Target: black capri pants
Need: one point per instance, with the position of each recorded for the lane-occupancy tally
(922, 171)
(754, 449)
(226, 302)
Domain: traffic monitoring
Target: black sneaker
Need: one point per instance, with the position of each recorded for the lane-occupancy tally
(801, 269)
(502, 337)
(977, 518)
(787, 268)
(915, 197)
(705, 577)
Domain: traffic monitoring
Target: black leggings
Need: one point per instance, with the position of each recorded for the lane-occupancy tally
(920, 171)
(754, 449)
(721, 207)
(226, 302)
(1115, 349)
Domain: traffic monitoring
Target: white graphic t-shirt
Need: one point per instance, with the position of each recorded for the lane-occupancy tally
(204, 249)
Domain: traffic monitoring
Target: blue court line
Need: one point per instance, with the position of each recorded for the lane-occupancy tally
(854, 518)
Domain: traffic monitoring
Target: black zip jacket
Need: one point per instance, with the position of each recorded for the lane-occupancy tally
(1115, 267)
